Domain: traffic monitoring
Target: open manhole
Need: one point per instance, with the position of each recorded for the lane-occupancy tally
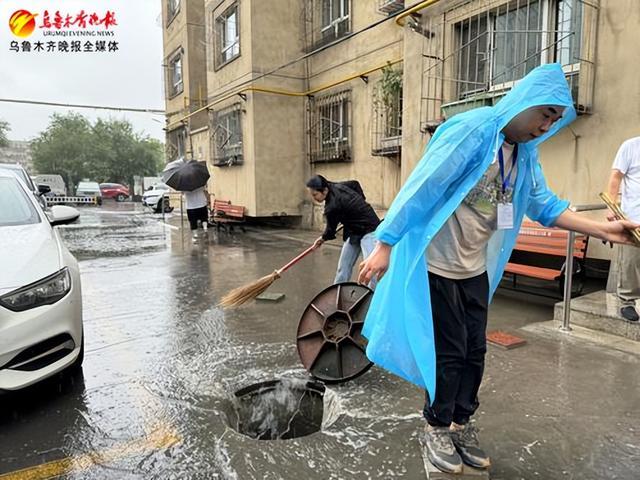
(279, 409)
(330, 342)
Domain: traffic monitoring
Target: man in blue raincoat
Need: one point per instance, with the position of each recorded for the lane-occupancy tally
(444, 244)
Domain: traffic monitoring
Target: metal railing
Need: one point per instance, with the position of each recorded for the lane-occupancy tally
(568, 273)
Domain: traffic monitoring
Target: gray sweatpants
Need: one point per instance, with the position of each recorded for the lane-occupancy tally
(628, 288)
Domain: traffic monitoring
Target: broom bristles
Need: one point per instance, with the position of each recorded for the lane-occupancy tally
(241, 295)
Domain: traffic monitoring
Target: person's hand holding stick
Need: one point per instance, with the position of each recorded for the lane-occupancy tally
(619, 215)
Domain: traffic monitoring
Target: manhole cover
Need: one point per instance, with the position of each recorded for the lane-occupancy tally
(279, 409)
(330, 342)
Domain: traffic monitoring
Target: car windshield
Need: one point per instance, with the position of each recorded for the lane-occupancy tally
(15, 206)
(21, 174)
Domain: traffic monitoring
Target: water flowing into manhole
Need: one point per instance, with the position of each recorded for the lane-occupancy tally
(279, 409)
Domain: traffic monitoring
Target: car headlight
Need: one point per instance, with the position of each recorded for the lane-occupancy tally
(43, 292)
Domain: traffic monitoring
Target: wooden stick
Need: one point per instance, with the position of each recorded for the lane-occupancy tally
(619, 214)
(241, 295)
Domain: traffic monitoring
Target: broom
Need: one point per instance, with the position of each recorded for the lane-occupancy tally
(619, 214)
(241, 295)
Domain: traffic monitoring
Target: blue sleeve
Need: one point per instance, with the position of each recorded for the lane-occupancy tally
(544, 206)
(449, 156)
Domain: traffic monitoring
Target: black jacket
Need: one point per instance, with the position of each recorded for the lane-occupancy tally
(346, 204)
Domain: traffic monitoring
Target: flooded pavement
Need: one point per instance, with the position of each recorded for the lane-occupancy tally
(156, 398)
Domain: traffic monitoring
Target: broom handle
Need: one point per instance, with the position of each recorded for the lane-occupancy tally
(301, 256)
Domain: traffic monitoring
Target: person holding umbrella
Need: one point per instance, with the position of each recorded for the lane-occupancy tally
(190, 177)
(197, 210)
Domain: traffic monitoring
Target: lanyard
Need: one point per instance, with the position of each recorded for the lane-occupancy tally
(507, 181)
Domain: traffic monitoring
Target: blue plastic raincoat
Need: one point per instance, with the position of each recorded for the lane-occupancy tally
(399, 325)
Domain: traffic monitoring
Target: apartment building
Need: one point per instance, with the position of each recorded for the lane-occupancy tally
(355, 88)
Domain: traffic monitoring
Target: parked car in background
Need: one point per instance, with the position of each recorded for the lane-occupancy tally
(156, 198)
(55, 183)
(19, 172)
(89, 189)
(114, 190)
(41, 330)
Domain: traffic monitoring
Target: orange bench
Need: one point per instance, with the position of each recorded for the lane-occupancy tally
(545, 251)
(224, 213)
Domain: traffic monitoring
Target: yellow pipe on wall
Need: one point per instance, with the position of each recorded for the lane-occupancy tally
(400, 18)
(282, 92)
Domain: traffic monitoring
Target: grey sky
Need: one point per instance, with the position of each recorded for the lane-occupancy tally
(131, 77)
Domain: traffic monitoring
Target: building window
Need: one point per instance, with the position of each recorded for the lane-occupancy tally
(390, 7)
(335, 18)
(325, 21)
(501, 46)
(228, 35)
(227, 136)
(173, 7)
(568, 31)
(331, 128)
(387, 113)
(174, 74)
(176, 145)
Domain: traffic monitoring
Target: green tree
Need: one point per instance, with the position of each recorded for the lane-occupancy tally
(64, 148)
(107, 151)
(4, 128)
(120, 153)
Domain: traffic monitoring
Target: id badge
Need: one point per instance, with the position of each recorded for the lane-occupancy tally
(505, 216)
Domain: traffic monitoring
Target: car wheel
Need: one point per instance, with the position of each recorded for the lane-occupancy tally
(167, 206)
(120, 198)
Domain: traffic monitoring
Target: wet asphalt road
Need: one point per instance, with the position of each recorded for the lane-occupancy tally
(162, 363)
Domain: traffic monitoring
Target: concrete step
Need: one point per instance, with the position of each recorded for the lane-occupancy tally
(599, 311)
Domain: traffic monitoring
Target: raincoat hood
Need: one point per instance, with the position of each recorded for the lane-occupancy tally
(399, 323)
(545, 85)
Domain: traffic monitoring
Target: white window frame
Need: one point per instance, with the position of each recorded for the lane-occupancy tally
(549, 24)
(341, 123)
(181, 142)
(173, 7)
(224, 120)
(344, 14)
(176, 86)
(228, 50)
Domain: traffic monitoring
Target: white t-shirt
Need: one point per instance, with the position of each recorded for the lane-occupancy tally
(195, 199)
(628, 162)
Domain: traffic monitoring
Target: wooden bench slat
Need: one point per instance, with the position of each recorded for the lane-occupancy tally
(535, 238)
(224, 212)
(552, 242)
(530, 271)
(543, 249)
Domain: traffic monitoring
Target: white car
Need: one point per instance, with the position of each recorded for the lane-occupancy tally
(41, 329)
(153, 196)
(89, 189)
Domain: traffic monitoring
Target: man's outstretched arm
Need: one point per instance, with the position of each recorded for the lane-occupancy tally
(616, 232)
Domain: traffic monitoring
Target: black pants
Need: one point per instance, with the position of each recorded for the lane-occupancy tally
(196, 214)
(459, 310)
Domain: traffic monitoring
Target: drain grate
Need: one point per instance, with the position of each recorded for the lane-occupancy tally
(279, 409)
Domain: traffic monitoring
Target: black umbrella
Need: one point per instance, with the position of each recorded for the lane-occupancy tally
(185, 176)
